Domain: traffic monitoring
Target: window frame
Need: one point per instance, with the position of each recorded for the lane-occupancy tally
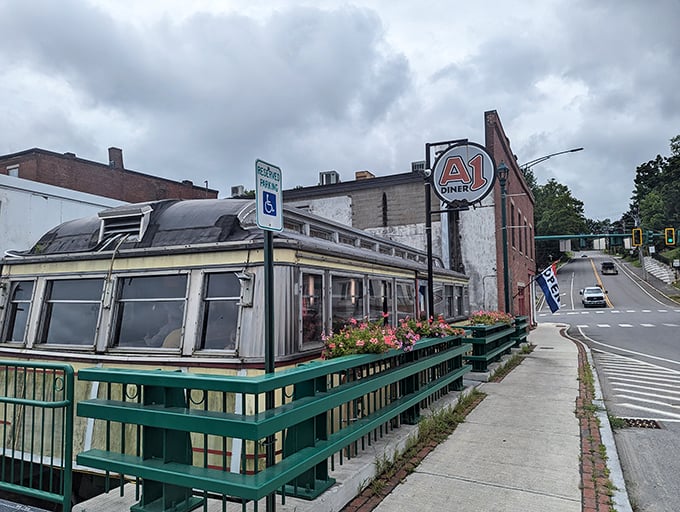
(10, 311)
(325, 308)
(112, 342)
(46, 309)
(203, 312)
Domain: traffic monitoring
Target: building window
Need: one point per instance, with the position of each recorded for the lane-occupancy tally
(13, 170)
(379, 299)
(384, 210)
(17, 312)
(449, 302)
(71, 311)
(313, 312)
(406, 300)
(347, 295)
(518, 228)
(525, 233)
(512, 221)
(150, 311)
(219, 327)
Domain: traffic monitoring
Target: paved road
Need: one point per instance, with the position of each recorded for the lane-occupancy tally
(635, 344)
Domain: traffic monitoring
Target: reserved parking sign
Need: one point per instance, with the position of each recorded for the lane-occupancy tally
(268, 195)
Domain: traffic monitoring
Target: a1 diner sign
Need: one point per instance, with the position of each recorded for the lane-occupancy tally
(463, 174)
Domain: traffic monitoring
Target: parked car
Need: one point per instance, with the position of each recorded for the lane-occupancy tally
(608, 267)
(593, 296)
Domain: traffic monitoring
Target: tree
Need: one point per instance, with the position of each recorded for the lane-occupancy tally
(556, 211)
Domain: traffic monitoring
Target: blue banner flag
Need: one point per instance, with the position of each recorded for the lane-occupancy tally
(547, 280)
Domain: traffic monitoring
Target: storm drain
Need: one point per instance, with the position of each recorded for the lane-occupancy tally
(641, 423)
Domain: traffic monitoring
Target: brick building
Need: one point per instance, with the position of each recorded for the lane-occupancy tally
(110, 180)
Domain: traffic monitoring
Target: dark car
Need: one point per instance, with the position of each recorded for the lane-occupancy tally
(608, 267)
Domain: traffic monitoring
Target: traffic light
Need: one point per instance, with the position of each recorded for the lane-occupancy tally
(637, 237)
(670, 236)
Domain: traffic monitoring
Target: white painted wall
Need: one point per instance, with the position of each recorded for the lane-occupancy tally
(478, 246)
(338, 209)
(29, 209)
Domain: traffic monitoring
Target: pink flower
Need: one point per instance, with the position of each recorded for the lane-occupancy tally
(360, 343)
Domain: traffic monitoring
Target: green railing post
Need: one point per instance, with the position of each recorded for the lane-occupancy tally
(166, 445)
(315, 481)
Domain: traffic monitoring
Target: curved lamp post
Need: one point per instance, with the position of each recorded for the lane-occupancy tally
(528, 165)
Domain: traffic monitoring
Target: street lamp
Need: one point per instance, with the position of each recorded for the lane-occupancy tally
(502, 173)
(526, 166)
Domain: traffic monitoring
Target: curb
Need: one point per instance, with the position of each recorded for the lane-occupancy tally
(597, 495)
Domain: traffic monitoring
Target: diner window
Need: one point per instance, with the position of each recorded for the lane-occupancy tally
(220, 312)
(449, 302)
(346, 299)
(150, 311)
(406, 300)
(313, 311)
(17, 311)
(379, 299)
(438, 293)
(71, 311)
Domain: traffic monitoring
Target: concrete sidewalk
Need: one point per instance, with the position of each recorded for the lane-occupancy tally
(519, 450)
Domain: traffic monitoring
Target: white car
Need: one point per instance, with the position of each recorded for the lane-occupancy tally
(593, 296)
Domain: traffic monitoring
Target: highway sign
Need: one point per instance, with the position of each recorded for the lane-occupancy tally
(268, 196)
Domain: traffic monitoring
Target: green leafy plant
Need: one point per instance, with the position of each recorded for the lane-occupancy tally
(490, 318)
(430, 328)
(363, 337)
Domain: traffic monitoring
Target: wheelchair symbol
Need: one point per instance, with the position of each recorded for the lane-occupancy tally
(269, 203)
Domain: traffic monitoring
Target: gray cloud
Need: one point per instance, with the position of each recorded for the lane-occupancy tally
(347, 87)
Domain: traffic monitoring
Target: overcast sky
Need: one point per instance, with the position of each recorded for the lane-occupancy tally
(200, 89)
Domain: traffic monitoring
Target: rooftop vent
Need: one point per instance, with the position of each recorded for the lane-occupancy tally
(329, 178)
(124, 220)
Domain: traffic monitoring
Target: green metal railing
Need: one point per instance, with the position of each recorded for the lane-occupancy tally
(521, 330)
(489, 344)
(190, 436)
(37, 430)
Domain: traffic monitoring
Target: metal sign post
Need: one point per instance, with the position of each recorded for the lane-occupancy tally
(269, 217)
(462, 175)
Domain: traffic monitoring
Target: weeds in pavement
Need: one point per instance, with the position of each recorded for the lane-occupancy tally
(432, 429)
(514, 361)
(616, 422)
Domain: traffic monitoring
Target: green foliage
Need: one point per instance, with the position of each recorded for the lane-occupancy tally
(363, 337)
(490, 318)
(431, 328)
(557, 212)
(656, 195)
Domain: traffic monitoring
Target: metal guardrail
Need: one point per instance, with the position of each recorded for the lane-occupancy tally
(189, 436)
(36, 420)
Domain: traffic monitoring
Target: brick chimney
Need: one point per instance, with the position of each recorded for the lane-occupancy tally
(116, 158)
(363, 175)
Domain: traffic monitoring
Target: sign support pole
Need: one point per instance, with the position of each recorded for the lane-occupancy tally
(269, 215)
(269, 352)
